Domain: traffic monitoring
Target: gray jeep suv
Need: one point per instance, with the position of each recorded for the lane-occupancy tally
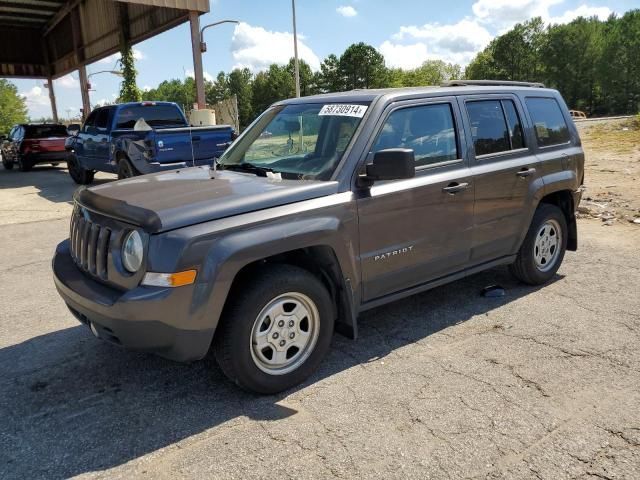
(351, 201)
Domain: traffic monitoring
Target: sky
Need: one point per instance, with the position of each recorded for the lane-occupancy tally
(406, 32)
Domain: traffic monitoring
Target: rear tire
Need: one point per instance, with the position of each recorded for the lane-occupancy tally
(275, 330)
(543, 249)
(126, 170)
(24, 163)
(80, 175)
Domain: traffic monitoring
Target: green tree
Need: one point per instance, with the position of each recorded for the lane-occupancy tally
(239, 84)
(362, 66)
(13, 108)
(329, 78)
(129, 91)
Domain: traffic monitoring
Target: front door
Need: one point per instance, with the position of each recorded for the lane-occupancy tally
(417, 230)
(505, 172)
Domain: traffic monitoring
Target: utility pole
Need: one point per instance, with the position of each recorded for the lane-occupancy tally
(295, 49)
(198, 74)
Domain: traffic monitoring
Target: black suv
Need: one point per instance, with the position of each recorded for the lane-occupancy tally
(353, 200)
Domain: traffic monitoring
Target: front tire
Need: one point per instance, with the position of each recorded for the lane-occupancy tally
(275, 330)
(543, 249)
(79, 174)
(7, 164)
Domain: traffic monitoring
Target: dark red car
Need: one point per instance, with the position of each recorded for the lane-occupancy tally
(29, 144)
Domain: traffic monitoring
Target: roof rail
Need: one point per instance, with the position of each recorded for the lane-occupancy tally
(490, 83)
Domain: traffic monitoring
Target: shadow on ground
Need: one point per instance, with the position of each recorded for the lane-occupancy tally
(71, 404)
(52, 183)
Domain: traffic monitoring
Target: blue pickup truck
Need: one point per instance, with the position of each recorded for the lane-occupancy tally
(141, 137)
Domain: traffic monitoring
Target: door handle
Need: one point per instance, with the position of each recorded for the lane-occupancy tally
(526, 172)
(455, 187)
(196, 138)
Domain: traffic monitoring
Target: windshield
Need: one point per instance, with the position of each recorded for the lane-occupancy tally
(154, 115)
(297, 141)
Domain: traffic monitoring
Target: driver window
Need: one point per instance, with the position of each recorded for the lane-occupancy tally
(90, 121)
(429, 130)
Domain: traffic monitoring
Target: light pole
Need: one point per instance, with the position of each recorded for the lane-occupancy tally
(295, 49)
(117, 73)
(199, 46)
(203, 44)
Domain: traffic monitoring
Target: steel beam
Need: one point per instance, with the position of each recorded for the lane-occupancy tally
(198, 73)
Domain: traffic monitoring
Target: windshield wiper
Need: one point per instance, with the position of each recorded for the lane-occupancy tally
(247, 167)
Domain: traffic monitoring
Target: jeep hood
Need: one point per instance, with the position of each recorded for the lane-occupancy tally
(175, 199)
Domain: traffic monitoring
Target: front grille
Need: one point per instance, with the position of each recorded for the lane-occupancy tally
(90, 245)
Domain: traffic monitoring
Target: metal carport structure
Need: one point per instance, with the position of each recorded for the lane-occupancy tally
(50, 38)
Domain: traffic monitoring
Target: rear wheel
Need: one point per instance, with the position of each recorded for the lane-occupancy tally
(543, 248)
(275, 330)
(125, 169)
(24, 163)
(80, 175)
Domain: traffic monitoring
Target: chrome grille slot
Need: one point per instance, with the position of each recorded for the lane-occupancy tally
(89, 245)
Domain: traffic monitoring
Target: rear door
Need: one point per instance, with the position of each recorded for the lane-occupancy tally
(416, 230)
(505, 172)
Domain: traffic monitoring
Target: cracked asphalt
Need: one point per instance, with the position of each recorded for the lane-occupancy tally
(543, 383)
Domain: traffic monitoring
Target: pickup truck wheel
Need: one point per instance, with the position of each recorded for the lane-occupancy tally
(80, 175)
(543, 248)
(275, 331)
(125, 169)
(24, 164)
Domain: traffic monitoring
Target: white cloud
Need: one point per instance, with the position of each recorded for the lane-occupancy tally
(347, 11)
(503, 14)
(404, 56)
(37, 100)
(67, 82)
(112, 59)
(582, 11)
(207, 76)
(457, 43)
(257, 48)
(146, 88)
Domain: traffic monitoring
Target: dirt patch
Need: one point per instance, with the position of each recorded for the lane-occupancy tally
(612, 170)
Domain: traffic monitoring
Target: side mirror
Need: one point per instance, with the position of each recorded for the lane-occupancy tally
(73, 129)
(392, 164)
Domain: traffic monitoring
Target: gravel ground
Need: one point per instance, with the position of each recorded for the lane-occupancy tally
(541, 383)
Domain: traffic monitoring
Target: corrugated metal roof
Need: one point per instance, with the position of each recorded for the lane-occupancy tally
(53, 37)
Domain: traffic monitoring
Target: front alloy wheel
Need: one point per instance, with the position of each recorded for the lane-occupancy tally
(285, 333)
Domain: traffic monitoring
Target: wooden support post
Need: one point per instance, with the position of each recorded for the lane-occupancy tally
(84, 90)
(198, 73)
(52, 99)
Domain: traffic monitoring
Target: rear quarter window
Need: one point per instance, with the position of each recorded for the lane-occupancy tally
(548, 122)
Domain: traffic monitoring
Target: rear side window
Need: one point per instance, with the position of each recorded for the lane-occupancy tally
(548, 121)
(495, 126)
(153, 115)
(429, 130)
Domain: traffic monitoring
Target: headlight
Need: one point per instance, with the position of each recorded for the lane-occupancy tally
(132, 250)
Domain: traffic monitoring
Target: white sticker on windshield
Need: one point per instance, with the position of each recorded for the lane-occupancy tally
(344, 110)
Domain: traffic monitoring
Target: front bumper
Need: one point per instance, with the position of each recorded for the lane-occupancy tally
(151, 319)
